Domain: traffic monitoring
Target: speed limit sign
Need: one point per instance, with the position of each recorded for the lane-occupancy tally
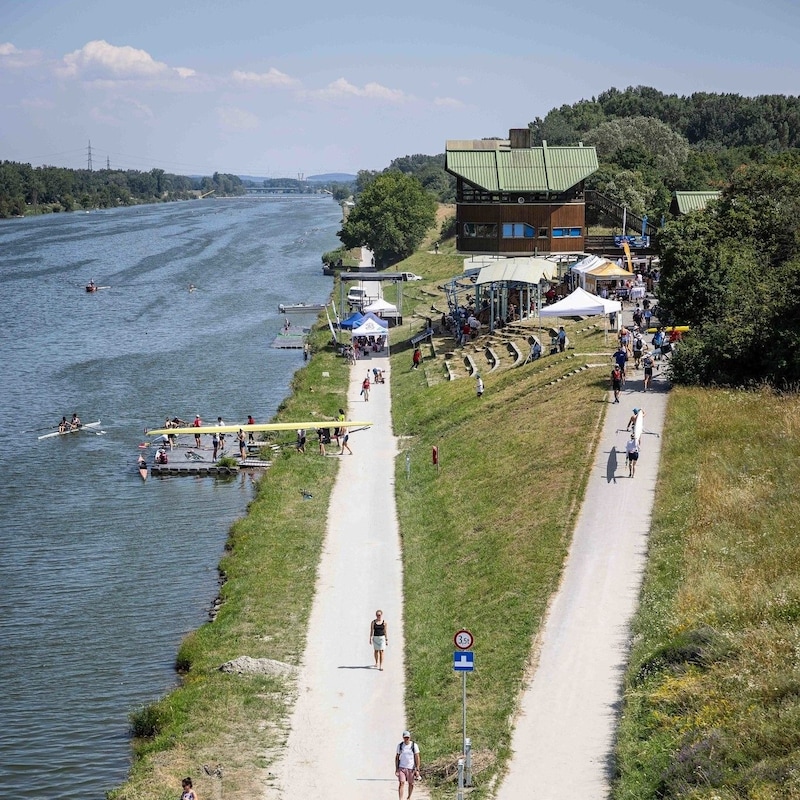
(463, 640)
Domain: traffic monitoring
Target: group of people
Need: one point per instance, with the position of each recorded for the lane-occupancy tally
(73, 424)
(324, 437)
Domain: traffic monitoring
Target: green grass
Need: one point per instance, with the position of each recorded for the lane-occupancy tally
(484, 539)
(269, 571)
(712, 701)
(712, 697)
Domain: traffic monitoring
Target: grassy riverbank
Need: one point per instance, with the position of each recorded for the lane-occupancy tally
(712, 701)
(269, 571)
(712, 694)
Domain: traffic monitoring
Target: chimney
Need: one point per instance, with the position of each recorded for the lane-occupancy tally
(520, 138)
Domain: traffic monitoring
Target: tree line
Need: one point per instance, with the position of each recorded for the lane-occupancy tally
(25, 189)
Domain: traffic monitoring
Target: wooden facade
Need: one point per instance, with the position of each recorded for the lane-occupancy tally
(513, 199)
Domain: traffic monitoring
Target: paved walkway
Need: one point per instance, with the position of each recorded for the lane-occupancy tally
(564, 736)
(349, 716)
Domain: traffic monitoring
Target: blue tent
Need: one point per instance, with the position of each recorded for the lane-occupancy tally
(375, 318)
(353, 321)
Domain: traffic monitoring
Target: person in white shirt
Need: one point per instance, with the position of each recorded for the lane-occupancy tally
(406, 765)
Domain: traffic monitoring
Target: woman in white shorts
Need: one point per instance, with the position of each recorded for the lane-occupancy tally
(378, 637)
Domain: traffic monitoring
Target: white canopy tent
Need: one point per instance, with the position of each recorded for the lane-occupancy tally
(379, 306)
(581, 303)
(369, 327)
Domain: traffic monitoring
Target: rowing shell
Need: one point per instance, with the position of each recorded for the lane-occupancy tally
(90, 425)
(638, 427)
(142, 465)
(259, 426)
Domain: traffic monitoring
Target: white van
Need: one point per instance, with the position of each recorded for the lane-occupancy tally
(356, 297)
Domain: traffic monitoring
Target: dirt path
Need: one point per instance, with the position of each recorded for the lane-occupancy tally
(349, 716)
(564, 735)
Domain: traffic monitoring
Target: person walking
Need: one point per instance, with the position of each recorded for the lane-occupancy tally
(406, 765)
(242, 444)
(562, 339)
(215, 445)
(345, 437)
(632, 455)
(479, 385)
(616, 382)
(416, 358)
(621, 358)
(378, 638)
(301, 440)
(647, 364)
(365, 388)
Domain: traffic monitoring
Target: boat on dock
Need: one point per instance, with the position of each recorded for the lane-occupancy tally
(300, 308)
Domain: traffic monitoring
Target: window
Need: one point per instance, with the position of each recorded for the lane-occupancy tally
(560, 233)
(480, 230)
(543, 233)
(518, 230)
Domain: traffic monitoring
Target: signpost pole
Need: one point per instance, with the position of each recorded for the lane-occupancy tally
(463, 712)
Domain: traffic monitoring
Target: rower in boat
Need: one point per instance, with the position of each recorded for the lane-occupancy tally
(75, 422)
(91, 286)
(63, 426)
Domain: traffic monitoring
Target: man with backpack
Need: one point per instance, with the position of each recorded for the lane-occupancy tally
(406, 765)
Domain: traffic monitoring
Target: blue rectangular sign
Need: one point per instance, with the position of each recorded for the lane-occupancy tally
(463, 661)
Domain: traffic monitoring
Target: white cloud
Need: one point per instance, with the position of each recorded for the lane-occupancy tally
(236, 120)
(99, 60)
(273, 78)
(37, 103)
(374, 91)
(448, 102)
(14, 58)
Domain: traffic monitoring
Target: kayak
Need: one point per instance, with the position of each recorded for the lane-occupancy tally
(92, 426)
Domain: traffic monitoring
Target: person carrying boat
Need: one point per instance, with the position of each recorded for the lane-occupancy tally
(250, 421)
(75, 422)
(197, 424)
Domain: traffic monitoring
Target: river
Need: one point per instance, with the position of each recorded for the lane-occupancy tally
(102, 574)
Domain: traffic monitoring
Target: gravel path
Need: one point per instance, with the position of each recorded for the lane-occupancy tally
(349, 716)
(564, 736)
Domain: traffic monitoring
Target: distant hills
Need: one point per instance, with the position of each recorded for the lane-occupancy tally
(328, 177)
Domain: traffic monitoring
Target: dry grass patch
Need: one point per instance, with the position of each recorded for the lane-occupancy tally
(713, 695)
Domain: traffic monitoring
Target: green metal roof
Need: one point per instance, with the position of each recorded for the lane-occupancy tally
(693, 201)
(494, 166)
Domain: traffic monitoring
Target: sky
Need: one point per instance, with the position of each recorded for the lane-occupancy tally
(276, 89)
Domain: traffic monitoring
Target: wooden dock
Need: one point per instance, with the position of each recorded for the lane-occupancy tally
(186, 459)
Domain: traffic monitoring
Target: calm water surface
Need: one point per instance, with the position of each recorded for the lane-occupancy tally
(102, 574)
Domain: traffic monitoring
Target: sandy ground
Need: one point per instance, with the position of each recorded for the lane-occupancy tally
(349, 716)
(564, 736)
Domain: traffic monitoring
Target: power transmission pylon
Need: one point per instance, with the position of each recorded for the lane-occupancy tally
(89, 162)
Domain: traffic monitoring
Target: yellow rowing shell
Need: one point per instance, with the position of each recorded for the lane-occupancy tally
(259, 426)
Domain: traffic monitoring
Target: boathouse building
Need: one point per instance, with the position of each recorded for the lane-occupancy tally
(515, 199)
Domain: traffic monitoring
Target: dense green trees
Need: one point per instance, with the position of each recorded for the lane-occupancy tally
(391, 217)
(733, 273)
(670, 142)
(25, 189)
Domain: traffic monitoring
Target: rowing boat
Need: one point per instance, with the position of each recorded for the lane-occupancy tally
(299, 308)
(92, 426)
(142, 465)
(638, 427)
